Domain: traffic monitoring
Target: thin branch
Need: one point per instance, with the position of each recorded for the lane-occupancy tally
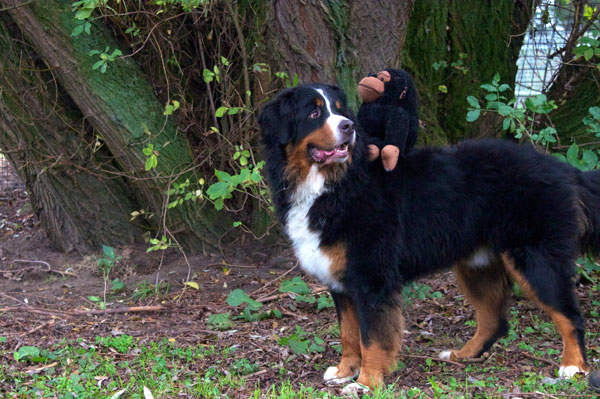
(16, 6)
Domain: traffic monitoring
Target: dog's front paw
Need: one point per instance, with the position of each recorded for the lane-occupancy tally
(568, 372)
(332, 376)
(355, 389)
(448, 355)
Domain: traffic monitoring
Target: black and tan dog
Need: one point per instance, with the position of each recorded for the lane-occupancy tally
(496, 211)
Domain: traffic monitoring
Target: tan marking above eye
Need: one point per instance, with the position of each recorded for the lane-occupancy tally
(384, 76)
(338, 105)
(319, 102)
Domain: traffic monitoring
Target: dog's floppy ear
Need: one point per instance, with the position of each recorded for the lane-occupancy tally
(275, 117)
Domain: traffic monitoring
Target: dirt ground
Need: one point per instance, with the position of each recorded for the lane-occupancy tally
(41, 290)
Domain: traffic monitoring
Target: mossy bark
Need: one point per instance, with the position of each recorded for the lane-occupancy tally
(79, 204)
(126, 115)
(576, 89)
(488, 33)
(324, 41)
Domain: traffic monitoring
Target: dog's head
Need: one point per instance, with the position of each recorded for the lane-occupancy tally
(308, 125)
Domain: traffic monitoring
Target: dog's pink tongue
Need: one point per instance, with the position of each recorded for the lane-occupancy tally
(322, 155)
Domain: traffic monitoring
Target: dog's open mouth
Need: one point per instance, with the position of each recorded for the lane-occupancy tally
(337, 154)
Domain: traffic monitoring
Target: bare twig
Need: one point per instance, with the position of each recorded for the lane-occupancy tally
(541, 359)
(435, 359)
(276, 279)
(39, 262)
(126, 309)
(43, 325)
(16, 6)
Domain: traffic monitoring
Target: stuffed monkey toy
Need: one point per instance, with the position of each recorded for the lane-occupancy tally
(389, 115)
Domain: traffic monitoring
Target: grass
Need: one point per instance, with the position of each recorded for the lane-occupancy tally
(112, 365)
(253, 360)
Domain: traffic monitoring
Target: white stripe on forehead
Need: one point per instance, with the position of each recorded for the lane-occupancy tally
(334, 120)
(322, 93)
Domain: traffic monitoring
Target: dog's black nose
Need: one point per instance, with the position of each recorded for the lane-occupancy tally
(346, 127)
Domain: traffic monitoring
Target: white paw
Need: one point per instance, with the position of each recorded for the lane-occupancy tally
(446, 355)
(567, 372)
(355, 389)
(331, 377)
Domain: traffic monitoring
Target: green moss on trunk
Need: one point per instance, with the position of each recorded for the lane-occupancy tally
(474, 34)
(125, 113)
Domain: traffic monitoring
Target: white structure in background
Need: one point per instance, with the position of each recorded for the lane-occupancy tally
(536, 70)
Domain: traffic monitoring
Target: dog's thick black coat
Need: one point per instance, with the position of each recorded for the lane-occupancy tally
(529, 213)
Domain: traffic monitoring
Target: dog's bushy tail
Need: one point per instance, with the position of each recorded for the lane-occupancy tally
(589, 195)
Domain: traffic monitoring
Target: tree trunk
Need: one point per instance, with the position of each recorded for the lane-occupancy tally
(79, 205)
(121, 115)
(325, 41)
(121, 107)
(475, 39)
(575, 90)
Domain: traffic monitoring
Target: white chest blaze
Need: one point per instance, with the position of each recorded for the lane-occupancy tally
(306, 242)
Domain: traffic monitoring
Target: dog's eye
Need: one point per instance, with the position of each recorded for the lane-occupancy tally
(315, 113)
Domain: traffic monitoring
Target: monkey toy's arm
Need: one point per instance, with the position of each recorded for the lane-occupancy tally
(397, 130)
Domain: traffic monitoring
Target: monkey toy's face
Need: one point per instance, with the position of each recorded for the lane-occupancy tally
(389, 85)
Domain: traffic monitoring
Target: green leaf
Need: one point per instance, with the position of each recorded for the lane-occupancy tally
(220, 321)
(298, 346)
(472, 116)
(109, 252)
(496, 78)
(222, 175)
(443, 89)
(324, 302)
(295, 285)
(491, 97)
(233, 110)
(148, 150)
(589, 159)
(117, 285)
(504, 109)
(305, 299)
(98, 64)
(84, 13)
(473, 102)
(488, 87)
(218, 190)
(221, 111)
(238, 297)
(208, 76)
(595, 112)
(2, 339)
(503, 87)
(26, 352)
(77, 30)
(572, 154)
(506, 124)
(151, 162)
(94, 298)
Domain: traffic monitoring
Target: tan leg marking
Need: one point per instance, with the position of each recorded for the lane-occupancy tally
(571, 355)
(351, 350)
(337, 254)
(379, 359)
(486, 290)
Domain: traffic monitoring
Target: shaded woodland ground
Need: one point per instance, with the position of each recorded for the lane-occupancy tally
(177, 350)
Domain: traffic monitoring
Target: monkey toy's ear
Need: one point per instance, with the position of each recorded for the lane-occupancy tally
(275, 118)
